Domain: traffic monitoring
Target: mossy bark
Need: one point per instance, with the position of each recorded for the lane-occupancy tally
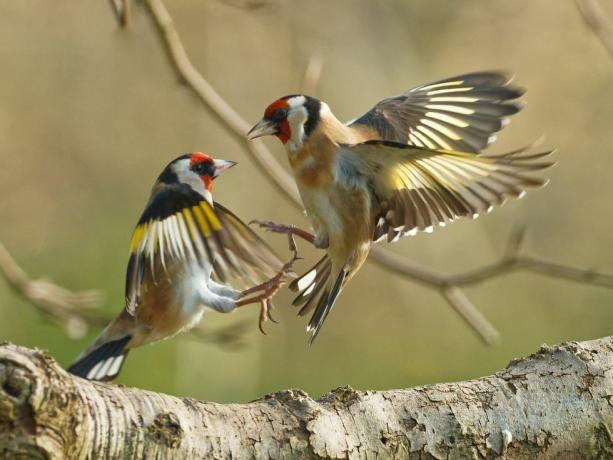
(556, 403)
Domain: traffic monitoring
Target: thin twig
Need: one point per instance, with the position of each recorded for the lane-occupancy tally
(121, 8)
(226, 114)
(458, 300)
(596, 19)
(312, 74)
(71, 310)
(448, 286)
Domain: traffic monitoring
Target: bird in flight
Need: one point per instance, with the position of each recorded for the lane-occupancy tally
(182, 251)
(408, 164)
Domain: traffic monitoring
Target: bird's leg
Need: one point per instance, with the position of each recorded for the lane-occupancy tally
(287, 229)
(263, 293)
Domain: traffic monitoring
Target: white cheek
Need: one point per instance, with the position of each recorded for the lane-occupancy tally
(188, 177)
(296, 120)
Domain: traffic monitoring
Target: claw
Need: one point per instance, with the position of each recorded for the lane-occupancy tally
(263, 293)
(269, 312)
(263, 315)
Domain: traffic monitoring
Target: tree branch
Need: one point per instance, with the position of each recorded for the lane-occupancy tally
(448, 286)
(71, 310)
(556, 403)
(596, 19)
(121, 8)
(75, 312)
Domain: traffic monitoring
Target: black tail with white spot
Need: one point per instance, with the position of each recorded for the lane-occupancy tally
(103, 362)
(317, 292)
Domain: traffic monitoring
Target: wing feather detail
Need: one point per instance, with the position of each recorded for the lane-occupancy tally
(460, 113)
(179, 226)
(415, 189)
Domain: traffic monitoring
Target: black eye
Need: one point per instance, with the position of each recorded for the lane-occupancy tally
(279, 114)
(202, 168)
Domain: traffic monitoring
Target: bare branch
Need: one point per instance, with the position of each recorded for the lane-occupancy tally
(448, 286)
(596, 19)
(312, 74)
(71, 310)
(467, 310)
(555, 403)
(121, 8)
(236, 125)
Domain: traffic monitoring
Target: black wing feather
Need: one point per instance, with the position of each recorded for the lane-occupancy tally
(459, 113)
(180, 223)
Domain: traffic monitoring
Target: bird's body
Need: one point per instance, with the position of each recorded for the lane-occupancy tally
(405, 166)
(172, 300)
(182, 241)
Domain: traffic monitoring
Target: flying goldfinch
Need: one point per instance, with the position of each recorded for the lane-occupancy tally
(406, 165)
(181, 242)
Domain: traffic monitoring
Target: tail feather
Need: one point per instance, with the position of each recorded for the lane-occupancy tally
(317, 292)
(325, 306)
(103, 362)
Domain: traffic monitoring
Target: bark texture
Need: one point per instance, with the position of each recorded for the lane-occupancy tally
(556, 403)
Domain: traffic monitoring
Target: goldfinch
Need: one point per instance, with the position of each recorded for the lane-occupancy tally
(181, 242)
(406, 165)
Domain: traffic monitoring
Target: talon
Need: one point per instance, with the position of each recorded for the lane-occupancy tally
(262, 293)
(269, 312)
(263, 314)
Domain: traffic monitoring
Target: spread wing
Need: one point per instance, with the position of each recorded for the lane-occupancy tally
(460, 113)
(180, 226)
(415, 189)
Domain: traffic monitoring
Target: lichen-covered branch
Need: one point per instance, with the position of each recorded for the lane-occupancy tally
(557, 403)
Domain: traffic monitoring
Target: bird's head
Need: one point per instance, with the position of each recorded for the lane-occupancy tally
(292, 119)
(197, 170)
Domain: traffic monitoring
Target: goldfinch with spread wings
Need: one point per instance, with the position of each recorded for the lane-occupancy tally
(182, 241)
(407, 165)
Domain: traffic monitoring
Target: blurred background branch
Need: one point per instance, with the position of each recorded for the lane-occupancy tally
(121, 8)
(75, 312)
(71, 310)
(448, 286)
(598, 22)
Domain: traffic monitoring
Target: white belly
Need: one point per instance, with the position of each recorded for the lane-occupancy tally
(187, 292)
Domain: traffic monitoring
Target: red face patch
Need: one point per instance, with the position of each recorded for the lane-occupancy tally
(202, 164)
(278, 104)
(283, 125)
(199, 157)
(284, 131)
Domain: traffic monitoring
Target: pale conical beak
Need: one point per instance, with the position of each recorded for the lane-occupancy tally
(222, 165)
(263, 128)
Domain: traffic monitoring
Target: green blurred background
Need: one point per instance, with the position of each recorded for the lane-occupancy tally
(89, 114)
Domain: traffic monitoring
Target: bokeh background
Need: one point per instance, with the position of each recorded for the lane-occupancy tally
(90, 113)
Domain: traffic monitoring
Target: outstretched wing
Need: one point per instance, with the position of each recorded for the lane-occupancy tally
(415, 189)
(459, 113)
(178, 224)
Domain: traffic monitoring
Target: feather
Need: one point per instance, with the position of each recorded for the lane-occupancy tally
(459, 113)
(180, 226)
(416, 188)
